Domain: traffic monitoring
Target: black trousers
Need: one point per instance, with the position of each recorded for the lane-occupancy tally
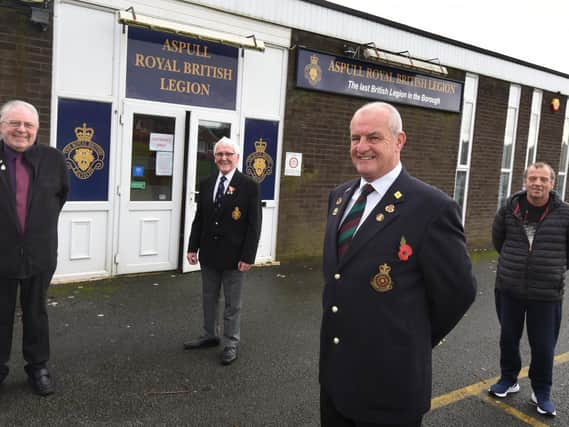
(330, 417)
(33, 299)
(543, 321)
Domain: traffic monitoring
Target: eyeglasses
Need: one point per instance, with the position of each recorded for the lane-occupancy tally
(228, 155)
(16, 124)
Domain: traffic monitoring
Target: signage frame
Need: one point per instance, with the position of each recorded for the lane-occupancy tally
(351, 77)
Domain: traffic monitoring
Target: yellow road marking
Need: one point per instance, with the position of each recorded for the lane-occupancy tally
(482, 386)
(513, 412)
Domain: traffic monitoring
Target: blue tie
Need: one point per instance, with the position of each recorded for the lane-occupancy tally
(220, 193)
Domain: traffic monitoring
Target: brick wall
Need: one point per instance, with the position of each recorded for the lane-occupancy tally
(25, 70)
(522, 138)
(486, 160)
(317, 125)
(549, 138)
(550, 131)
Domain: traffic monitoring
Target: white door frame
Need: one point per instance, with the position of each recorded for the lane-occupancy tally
(147, 238)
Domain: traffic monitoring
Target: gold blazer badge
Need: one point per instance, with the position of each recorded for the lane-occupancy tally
(382, 282)
(236, 214)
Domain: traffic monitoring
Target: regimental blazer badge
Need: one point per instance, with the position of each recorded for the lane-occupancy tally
(84, 156)
(312, 71)
(259, 163)
(382, 282)
(236, 214)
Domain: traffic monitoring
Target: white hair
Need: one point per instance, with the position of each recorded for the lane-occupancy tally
(226, 141)
(394, 121)
(16, 103)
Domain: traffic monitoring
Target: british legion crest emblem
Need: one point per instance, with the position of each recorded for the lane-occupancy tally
(84, 156)
(236, 214)
(312, 71)
(382, 282)
(259, 163)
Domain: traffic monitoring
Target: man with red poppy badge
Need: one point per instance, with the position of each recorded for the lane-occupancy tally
(398, 278)
(224, 238)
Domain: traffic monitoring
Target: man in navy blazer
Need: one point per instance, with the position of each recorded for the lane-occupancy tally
(394, 289)
(226, 232)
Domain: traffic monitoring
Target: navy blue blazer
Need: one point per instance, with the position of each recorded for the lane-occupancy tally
(231, 235)
(404, 283)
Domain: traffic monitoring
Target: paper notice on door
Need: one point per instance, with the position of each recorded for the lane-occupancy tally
(164, 163)
(161, 142)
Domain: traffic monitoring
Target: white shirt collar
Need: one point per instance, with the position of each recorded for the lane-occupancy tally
(229, 176)
(382, 184)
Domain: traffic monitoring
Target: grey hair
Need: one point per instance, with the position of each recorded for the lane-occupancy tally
(539, 165)
(394, 121)
(227, 141)
(17, 103)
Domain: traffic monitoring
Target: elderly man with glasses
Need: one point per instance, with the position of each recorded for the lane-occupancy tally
(226, 232)
(33, 189)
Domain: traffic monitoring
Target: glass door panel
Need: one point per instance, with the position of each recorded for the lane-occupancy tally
(152, 158)
(209, 132)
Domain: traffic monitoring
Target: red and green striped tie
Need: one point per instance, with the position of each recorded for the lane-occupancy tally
(350, 224)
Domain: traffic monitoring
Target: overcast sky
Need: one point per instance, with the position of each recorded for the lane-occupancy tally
(534, 31)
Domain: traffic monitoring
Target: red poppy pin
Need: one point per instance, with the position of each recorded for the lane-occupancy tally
(405, 250)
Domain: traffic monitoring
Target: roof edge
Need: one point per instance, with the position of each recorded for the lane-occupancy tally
(427, 34)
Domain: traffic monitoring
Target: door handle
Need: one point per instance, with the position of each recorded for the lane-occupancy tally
(194, 195)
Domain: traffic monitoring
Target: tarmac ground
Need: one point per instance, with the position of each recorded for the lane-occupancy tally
(117, 358)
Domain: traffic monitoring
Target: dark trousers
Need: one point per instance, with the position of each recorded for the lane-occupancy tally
(330, 417)
(33, 294)
(543, 320)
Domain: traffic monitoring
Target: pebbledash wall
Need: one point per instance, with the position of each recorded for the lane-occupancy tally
(443, 147)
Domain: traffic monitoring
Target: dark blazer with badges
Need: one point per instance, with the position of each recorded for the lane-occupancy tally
(383, 309)
(231, 235)
(34, 251)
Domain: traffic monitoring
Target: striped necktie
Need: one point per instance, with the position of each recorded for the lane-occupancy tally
(220, 192)
(350, 224)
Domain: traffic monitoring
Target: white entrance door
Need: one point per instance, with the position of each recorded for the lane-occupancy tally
(206, 128)
(150, 188)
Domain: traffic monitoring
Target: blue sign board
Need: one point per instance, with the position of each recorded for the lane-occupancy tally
(336, 74)
(84, 135)
(260, 153)
(170, 68)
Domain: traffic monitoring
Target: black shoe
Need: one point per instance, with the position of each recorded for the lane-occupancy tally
(41, 382)
(229, 355)
(201, 342)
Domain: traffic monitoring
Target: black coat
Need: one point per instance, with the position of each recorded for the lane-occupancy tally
(24, 255)
(232, 235)
(537, 273)
(381, 314)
